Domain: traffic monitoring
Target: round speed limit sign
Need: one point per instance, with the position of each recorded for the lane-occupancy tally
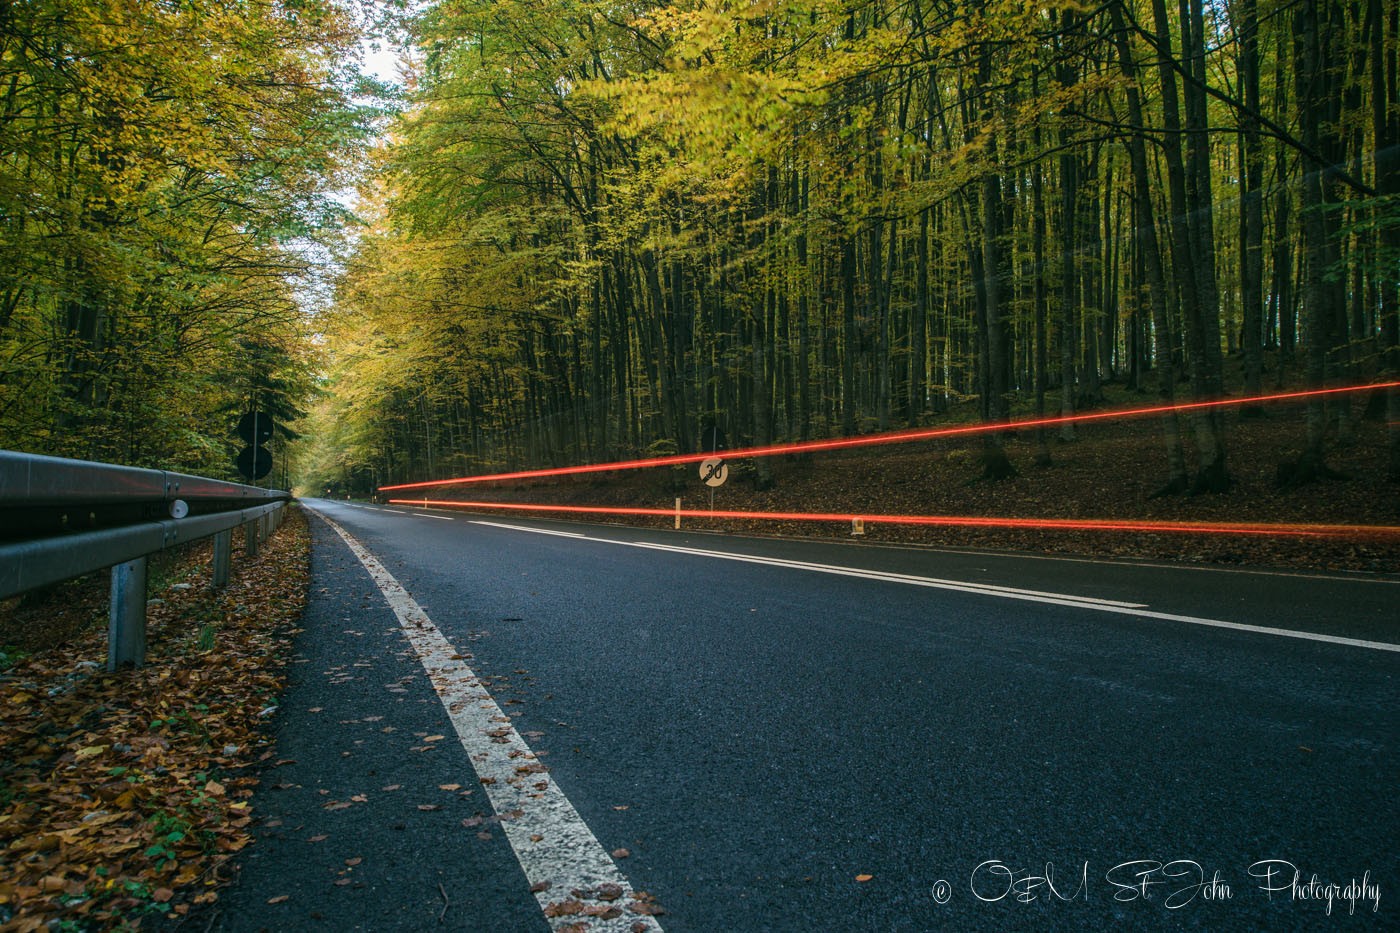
(713, 471)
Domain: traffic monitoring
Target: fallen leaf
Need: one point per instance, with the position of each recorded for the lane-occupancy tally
(563, 909)
(279, 899)
(620, 853)
(429, 806)
(449, 787)
(864, 878)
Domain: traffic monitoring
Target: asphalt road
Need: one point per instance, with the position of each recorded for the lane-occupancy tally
(896, 739)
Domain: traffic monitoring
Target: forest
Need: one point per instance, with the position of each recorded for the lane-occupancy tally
(162, 168)
(589, 230)
(601, 229)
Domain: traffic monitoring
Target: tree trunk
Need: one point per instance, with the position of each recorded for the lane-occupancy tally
(1177, 480)
(1384, 39)
(1040, 302)
(1323, 297)
(1189, 232)
(850, 333)
(995, 465)
(918, 326)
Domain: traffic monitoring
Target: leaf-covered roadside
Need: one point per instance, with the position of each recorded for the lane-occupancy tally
(123, 795)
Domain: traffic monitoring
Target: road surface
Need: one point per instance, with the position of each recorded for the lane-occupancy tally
(758, 734)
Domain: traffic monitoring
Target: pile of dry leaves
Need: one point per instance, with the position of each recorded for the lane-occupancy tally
(123, 795)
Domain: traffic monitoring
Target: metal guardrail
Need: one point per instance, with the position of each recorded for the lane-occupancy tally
(61, 519)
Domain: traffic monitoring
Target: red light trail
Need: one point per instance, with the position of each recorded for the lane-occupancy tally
(893, 437)
(1299, 530)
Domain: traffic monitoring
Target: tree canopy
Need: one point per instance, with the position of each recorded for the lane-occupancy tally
(596, 228)
(162, 166)
(600, 227)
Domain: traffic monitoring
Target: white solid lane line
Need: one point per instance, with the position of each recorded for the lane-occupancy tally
(551, 841)
(934, 582)
(536, 531)
(958, 585)
(1139, 610)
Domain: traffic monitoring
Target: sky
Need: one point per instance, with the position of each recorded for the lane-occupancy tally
(380, 60)
(381, 63)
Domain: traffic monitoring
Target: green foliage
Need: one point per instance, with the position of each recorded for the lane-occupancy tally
(595, 227)
(158, 163)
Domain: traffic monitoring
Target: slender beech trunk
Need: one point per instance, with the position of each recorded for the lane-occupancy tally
(1196, 284)
(918, 325)
(1039, 298)
(1384, 40)
(1318, 109)
(1177, 480)
(1252, 208)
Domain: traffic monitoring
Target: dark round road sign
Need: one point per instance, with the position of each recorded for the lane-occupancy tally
(254, 462)
(255, 428)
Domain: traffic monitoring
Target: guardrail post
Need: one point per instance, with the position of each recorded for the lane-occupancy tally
(223, 555)
(126, 629)
(250, 538)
